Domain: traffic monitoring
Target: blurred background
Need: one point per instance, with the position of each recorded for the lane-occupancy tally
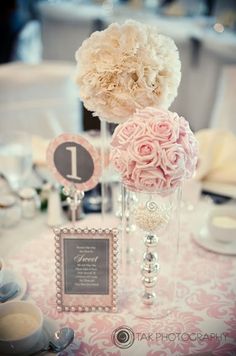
(38, 94)
(46, 34)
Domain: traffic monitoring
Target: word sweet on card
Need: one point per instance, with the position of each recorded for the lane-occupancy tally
(86, 269)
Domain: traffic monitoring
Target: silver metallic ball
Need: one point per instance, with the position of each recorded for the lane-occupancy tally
(149, 282)
(149, 298)
(150, 257)
(150, 271)
(151, 240)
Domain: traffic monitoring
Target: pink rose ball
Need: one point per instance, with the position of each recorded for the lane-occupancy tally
(154, 151)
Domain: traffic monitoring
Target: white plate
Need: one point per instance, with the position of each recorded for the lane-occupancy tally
(228, 190)
(12, 276)
(206, 241)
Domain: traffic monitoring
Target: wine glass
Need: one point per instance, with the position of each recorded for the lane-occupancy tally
(15, 157)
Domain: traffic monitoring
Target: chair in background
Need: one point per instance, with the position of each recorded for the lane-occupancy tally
(65, 25)
(41, 99)
(224, 112)
(28, 46)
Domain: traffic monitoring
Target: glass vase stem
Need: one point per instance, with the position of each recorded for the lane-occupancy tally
(149, 269)
(104, 188)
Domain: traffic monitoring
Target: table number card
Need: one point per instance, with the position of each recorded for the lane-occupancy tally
(86, 269)
(74, 162)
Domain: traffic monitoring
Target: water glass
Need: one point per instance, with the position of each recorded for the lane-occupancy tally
(15, 157)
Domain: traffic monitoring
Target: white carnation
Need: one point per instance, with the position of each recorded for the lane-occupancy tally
(127, 67)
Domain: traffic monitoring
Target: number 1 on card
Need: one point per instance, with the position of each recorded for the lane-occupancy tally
(74, 173)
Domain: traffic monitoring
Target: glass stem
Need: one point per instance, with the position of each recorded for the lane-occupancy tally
(104, 183)
(149, 269)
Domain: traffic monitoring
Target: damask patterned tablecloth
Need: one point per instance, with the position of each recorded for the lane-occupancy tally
(204, 321)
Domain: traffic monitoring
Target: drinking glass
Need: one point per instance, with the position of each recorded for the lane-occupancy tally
(15, 157)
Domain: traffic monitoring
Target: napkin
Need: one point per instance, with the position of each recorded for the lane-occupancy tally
(217, 156)
(39, 149)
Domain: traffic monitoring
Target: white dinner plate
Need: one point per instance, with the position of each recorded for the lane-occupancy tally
(12, 276)
(204, 239)
(228, 190)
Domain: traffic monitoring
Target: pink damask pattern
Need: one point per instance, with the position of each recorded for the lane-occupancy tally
(204, 319)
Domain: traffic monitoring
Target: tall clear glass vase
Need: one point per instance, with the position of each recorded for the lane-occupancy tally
(109, 178)
(150, 229)
(105, 141)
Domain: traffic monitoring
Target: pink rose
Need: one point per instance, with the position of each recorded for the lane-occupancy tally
(149, 179)
(188, 142)
(145, 152)
(119, 162)
(128, 182)
(175, 183)
(126, 133)
(190, 146)
(190, 166)
(187, 138)
(173, 160)
(183, 126)
(130, 167)
(165, 130)
(154, 151)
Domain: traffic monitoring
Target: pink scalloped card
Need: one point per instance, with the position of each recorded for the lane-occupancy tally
(73, 160)
(86, 269)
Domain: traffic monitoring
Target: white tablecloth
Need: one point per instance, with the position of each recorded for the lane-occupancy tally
(204, 318)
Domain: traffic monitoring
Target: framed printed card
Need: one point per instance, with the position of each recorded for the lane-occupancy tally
(86, 269)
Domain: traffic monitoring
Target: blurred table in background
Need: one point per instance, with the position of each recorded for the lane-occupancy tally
(41, 99)
(203, 51)
(224, 109)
